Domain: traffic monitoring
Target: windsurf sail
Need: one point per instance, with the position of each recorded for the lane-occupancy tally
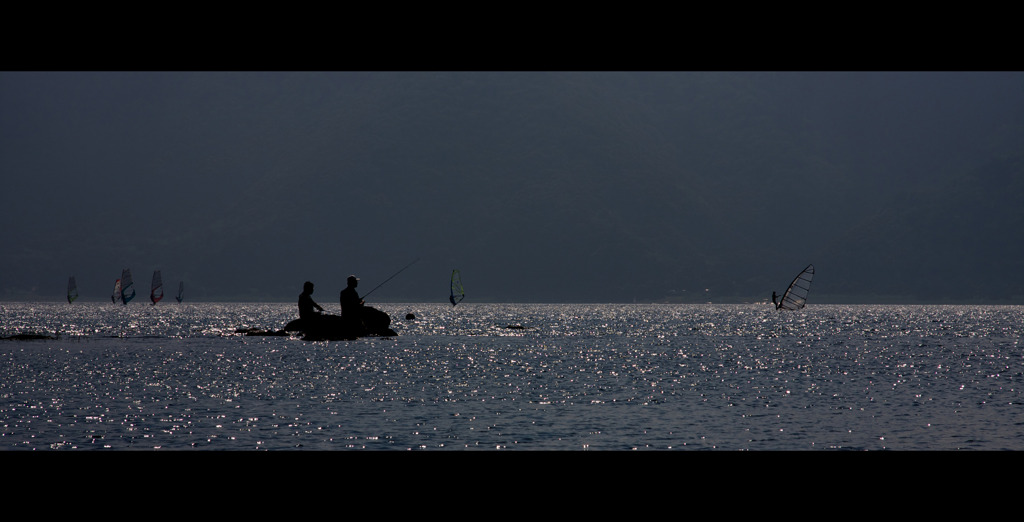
(457, 292)
(796, 295)
(116, 296)
(156, 290)
(181, 291)
(127, 286)
(72, 290)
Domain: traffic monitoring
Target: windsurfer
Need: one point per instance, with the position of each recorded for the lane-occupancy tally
(351, 304)
(795, 297)
(775, 298)
(307, 306)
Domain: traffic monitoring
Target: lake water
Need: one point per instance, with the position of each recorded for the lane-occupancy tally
(490, 377)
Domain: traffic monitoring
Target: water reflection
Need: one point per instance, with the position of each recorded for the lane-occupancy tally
(490, 377)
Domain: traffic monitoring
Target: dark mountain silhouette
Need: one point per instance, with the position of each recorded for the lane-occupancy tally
(557, 187)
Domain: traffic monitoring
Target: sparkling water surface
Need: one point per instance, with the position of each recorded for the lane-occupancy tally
(515, 377)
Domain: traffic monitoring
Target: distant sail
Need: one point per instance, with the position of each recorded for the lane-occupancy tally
(116, 296)
(796, 295)
(181, 291)
(72, 290)
(457, 292)
(127, 286)
(156, 290)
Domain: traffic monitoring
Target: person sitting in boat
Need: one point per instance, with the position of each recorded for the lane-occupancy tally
(351, 304)
(308, 308)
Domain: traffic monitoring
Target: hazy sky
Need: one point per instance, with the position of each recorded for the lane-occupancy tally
(538, 186)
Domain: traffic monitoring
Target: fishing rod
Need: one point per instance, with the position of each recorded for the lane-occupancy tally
(388, 279)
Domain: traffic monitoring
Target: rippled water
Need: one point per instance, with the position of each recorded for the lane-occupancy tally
(516, 377)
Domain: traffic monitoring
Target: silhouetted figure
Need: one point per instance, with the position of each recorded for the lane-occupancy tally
(775, 298)
(356, 320)
(351, 304)
(308, 308)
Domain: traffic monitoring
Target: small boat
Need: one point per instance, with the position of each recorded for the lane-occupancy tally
(325, 327)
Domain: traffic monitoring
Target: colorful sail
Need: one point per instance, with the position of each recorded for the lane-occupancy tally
(457, 291)
(796, 295)
(181, 291)
(156, 290)
(116, 296)
(72, 290)
(127, 286)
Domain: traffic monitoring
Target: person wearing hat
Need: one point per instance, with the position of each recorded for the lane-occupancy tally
(351, 304)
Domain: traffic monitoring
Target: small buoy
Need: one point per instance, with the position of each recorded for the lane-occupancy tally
(409, 316)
